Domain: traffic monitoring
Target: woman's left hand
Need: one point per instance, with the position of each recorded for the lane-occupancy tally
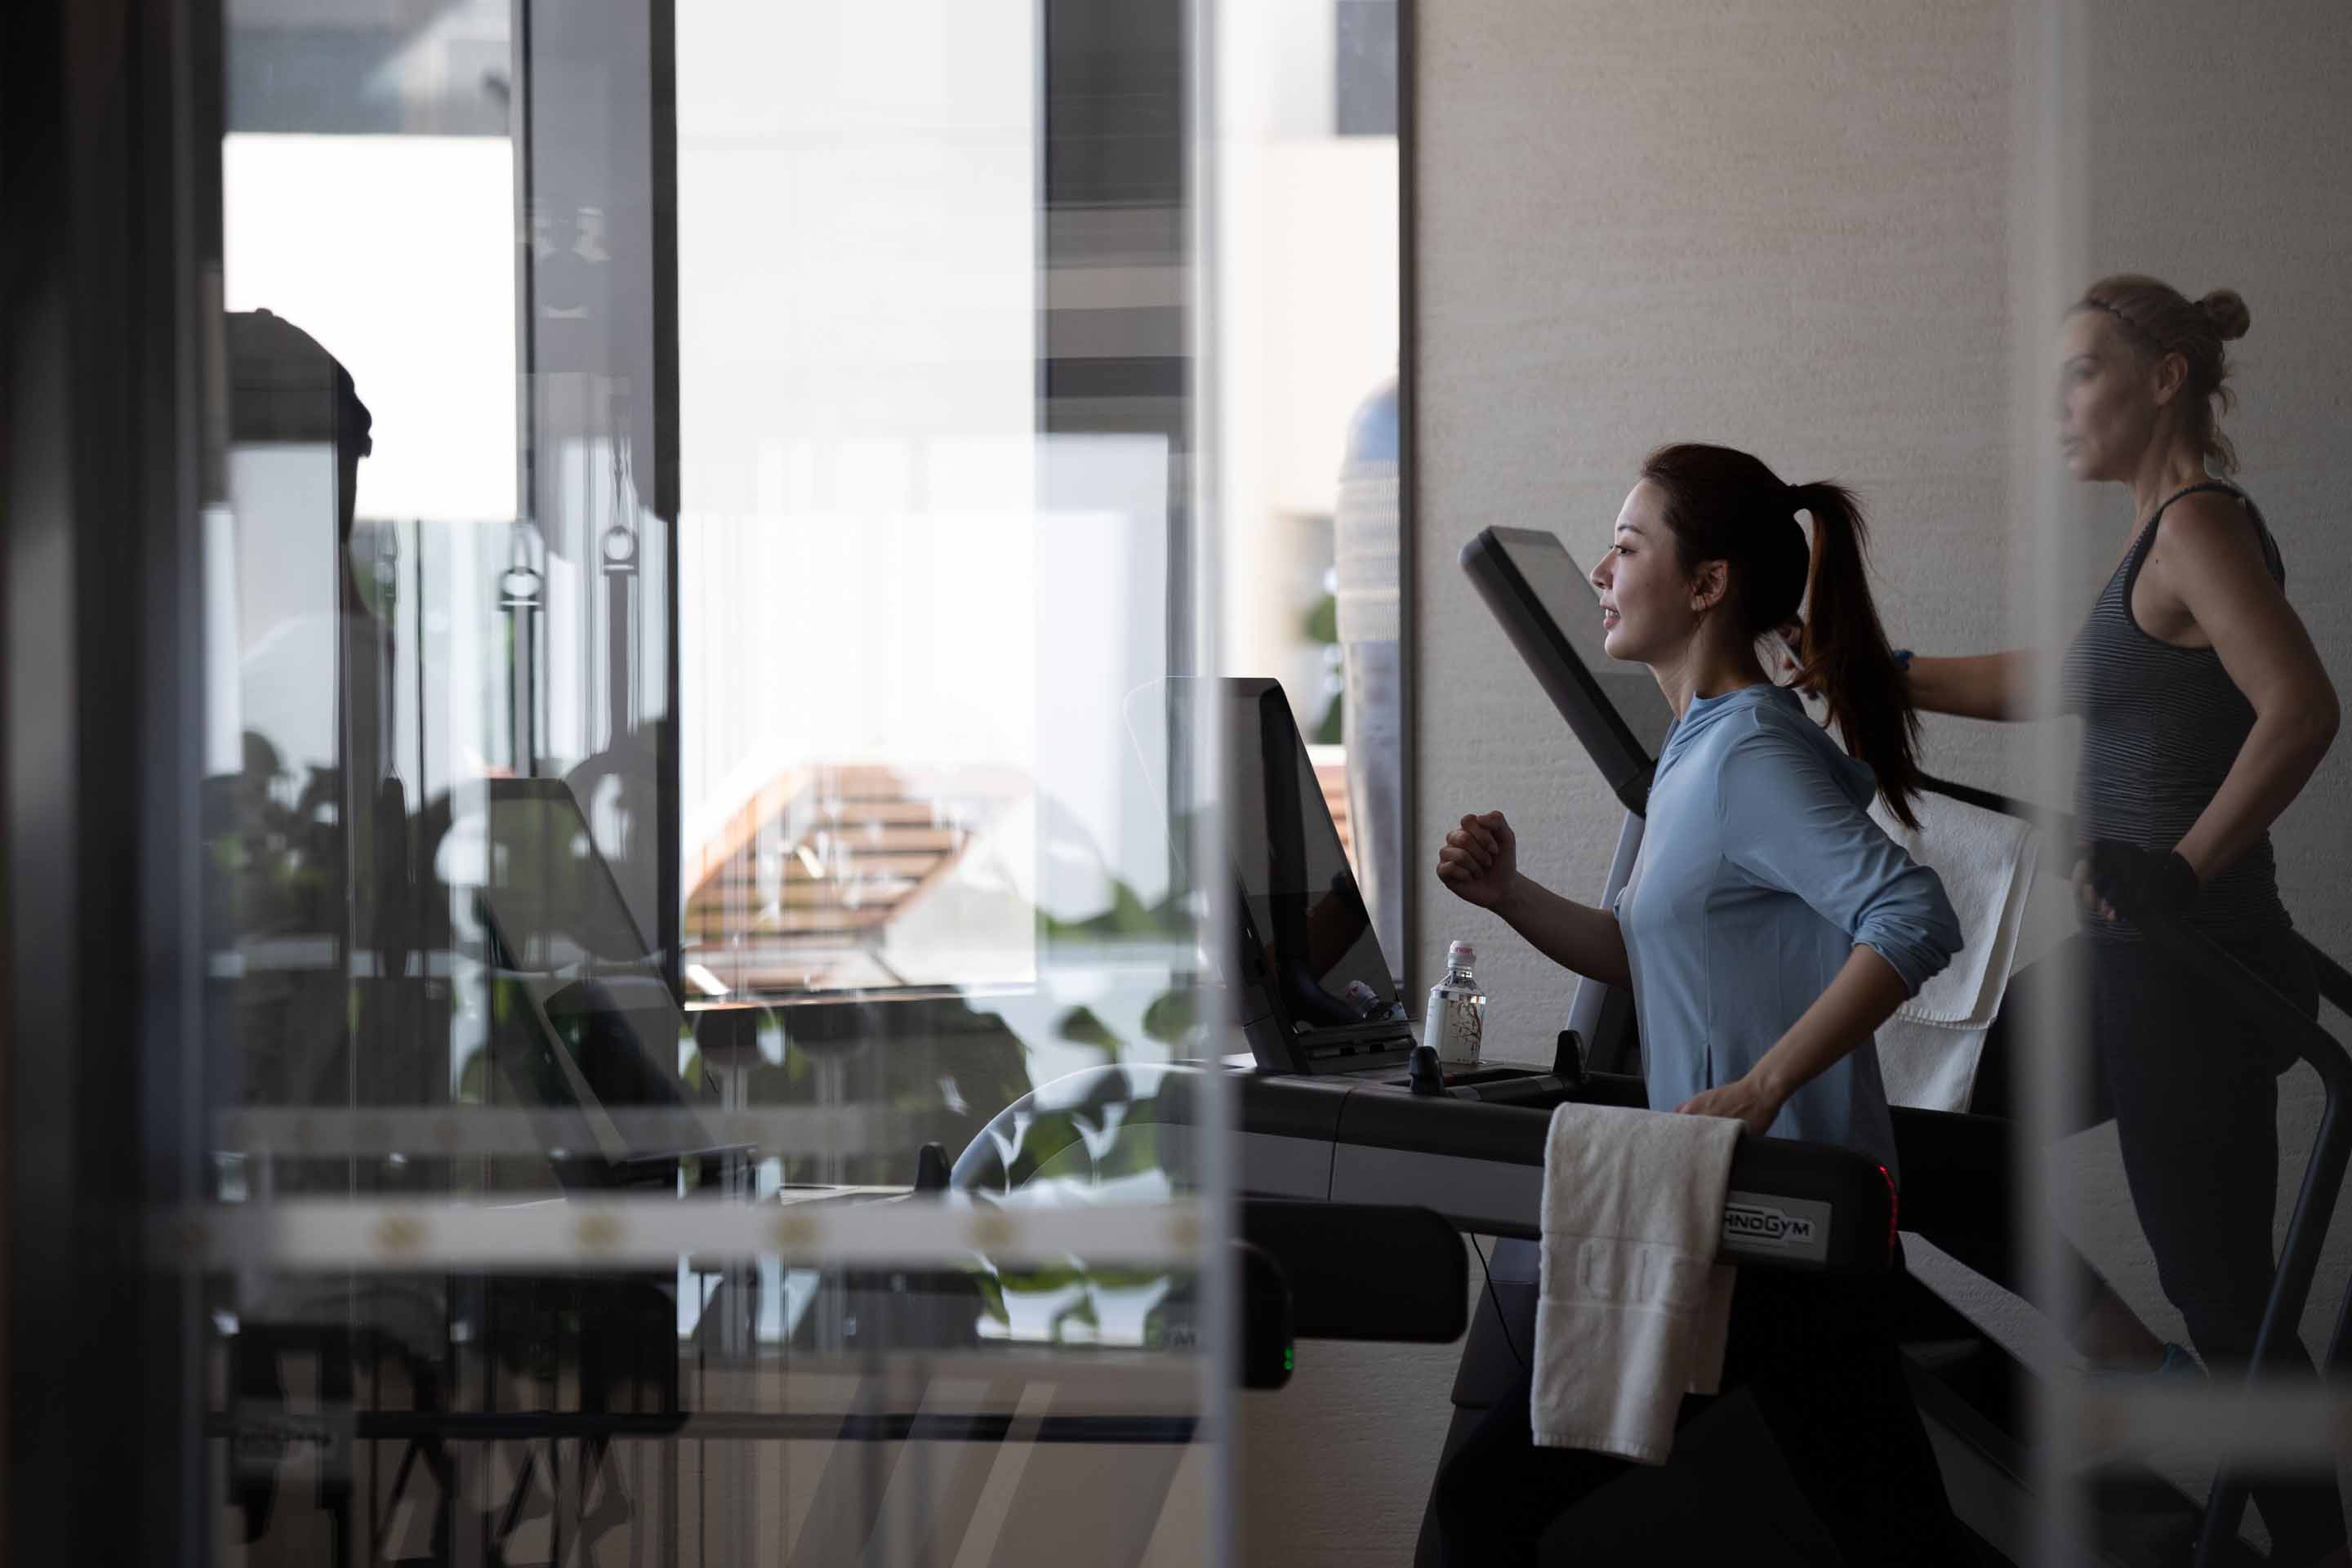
(1744, 1101)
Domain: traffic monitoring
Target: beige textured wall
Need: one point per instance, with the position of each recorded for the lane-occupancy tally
(1778, 227)
(1789, 227)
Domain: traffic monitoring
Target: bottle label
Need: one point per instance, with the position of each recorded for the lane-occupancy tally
(1452, 1028)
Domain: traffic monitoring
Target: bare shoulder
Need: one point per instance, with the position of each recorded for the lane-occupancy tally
(2211, 528)
(2206, 573)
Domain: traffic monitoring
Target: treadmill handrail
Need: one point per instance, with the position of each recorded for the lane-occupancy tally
(1383, 1117)
(2313, 1045)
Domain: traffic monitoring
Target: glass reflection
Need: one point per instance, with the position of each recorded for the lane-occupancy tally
(703, 482)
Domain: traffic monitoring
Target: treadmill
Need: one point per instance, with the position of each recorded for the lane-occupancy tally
(1349, 1152)
(1332, 1108)
(1973, 1401)
(1971, 1392)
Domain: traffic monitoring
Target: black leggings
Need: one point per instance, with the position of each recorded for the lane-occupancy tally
(2192, 1086)
(1817, 1356)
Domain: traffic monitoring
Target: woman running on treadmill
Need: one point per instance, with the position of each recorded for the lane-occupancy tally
(2205, 710)
(1769, 929)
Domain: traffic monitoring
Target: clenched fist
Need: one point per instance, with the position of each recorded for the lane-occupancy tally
(1480, 860)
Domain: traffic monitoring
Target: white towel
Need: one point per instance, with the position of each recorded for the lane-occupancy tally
(1929, 1066)
(1927, 1052)
(1630, 1306)
(1986, 860)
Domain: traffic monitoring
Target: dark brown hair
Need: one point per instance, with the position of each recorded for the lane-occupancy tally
(1724, 505)
(2159, 319)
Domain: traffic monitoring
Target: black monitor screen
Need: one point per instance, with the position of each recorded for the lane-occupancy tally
(1561, 586)
(1549, 609)
(1302, 911)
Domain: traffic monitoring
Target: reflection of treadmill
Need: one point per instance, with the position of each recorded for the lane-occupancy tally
(1971, 1390)
(595, 1027)
(583, 1033)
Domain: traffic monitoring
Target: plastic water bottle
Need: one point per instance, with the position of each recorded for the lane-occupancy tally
(1455, 1025)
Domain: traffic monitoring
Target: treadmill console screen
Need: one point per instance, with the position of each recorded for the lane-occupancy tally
(1308, 938)
(1552, 615)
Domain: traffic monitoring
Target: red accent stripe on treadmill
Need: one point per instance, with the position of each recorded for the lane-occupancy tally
(1893, 1201)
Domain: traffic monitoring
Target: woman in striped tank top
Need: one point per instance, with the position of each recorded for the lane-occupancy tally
(2205, 710)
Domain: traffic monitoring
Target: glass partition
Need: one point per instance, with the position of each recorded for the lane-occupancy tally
(700, 972)
(2191, 568)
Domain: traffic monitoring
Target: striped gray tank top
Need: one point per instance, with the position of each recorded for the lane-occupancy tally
(2161, 726)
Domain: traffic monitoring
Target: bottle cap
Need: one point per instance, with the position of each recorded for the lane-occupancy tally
(1461, 955)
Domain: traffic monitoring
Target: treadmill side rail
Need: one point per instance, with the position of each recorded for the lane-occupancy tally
(1276, 1166)
(1791, 1205)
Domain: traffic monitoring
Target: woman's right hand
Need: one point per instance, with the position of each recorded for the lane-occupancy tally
(1480, 860)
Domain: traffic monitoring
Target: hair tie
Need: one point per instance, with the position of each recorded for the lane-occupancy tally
(1799, 552)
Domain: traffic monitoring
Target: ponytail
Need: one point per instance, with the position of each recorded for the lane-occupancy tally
(1725, 505)
(1845, 656)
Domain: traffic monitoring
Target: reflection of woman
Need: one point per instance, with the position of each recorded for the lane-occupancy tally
(2204, 710)
(1770, 928)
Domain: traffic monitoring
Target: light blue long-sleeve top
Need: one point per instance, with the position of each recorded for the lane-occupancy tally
(1761, 871)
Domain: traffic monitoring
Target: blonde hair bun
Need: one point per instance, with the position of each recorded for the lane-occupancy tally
(2228, 313)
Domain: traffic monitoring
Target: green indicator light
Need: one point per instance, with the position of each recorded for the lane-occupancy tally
(1288, 1353)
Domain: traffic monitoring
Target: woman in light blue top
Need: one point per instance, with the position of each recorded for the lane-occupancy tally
(1765, 881)
(1770, 926)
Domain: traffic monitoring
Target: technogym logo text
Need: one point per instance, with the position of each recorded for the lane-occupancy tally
(1770, 1226)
